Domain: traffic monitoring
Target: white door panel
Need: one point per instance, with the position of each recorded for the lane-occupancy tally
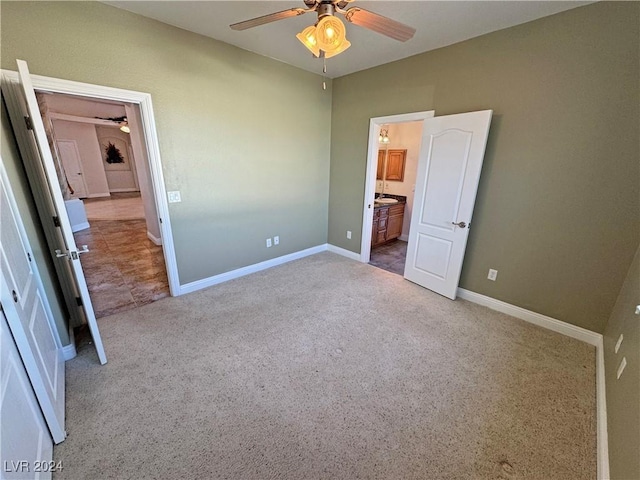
(24, 438)
(29, 315)
(70, 157)
(49, 182)
(447, 181)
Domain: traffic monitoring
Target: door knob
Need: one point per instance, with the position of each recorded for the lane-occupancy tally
(459, 224)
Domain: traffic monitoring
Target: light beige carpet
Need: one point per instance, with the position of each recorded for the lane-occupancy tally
(325, 368)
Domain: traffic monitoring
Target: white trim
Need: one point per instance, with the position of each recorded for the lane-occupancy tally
(123, 190)
(370, 173)
(601, 405)
(69, 351)
(579, 333)
(143, 100)
(99, 195)
(80, 226)
(241, 272)
(343, 252)
(549, 323)
(78, 119)
(404, 238)
(154, 239)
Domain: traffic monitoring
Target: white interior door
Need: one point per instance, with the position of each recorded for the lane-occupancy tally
(25, 439)
(29, 314)
(448, 174)
(70, 253)
(70, 157)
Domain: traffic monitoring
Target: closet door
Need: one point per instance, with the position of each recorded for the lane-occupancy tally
(25, 443)
(29, 315)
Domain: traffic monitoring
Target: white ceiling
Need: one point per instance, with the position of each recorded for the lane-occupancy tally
(438, 23)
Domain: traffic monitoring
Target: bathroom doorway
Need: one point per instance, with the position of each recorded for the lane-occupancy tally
(397, 150)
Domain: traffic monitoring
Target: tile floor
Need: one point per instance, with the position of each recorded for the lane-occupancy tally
(119, 206)
(123, 268)
(390, 256)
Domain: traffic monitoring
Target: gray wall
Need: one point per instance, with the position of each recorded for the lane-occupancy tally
(26, 206)
(243, 137)
(623, 395)
(558, 201)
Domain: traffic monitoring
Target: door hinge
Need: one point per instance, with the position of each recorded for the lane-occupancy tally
(28, 122)
(29, 256)
(79, 301)
(160, 219)
(56, 221)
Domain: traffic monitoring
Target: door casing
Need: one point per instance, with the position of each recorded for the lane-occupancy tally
(143, 101)
(372, 165)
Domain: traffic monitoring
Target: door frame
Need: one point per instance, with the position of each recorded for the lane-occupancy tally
(375, 124)
(143, 101)
(75, 146)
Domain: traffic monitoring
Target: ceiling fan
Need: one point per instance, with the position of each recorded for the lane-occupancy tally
(327, 37)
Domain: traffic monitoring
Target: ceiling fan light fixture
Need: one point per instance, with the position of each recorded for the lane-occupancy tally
(331, 35)
(125, 128)
(308, 38)
(346, 44)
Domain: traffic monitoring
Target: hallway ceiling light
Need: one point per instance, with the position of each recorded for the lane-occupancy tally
(124, 127)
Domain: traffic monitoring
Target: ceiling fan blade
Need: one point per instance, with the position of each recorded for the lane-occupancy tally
(343, 3)
(272, 17)
(378, 23)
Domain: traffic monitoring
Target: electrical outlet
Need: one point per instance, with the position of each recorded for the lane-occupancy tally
(349, 234)
(493, 274)
(618, 343)
(174, 197)
(623, 364)
(276, 240)
(268, 243)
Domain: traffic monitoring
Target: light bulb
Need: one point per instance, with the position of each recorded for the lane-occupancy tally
(308, 38)
(330, 34)
(125, 129)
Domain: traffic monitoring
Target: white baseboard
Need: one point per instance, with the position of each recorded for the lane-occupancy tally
(404, 238)
(153, 238)
(241, 272)
(80, 226)
(343, 252)
(122, 190)
(69, 351)
(98, 195)
(601, 405)
(549, 323)
(579, 333)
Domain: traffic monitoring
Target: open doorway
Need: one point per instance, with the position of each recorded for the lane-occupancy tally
(104, 176)
(397, 166)
(392, 164)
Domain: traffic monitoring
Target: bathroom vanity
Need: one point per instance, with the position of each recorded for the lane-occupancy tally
(387, 222)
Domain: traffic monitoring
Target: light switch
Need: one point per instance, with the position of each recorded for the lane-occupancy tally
(174, 197)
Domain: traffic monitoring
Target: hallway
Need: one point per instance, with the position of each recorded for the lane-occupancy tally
(123, 268)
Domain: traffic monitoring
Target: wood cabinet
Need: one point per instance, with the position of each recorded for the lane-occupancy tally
(387, 224)
(396, 160)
